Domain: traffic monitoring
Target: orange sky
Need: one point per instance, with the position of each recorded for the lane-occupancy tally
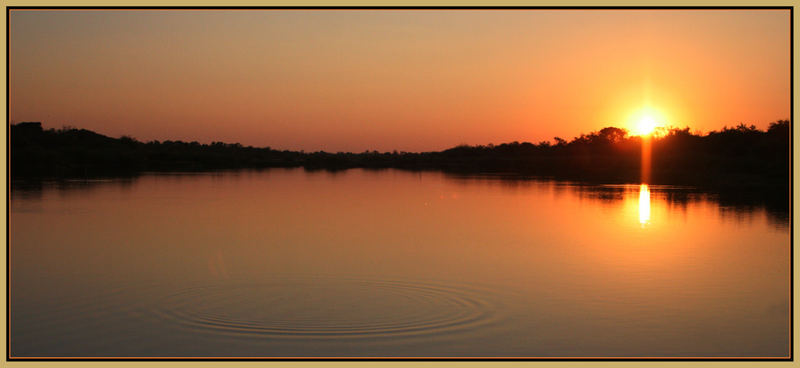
(415, 80)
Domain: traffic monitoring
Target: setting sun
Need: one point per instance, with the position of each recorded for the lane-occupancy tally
(646, 125)
(645, 121)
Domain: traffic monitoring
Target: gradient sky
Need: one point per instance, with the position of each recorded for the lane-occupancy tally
(417, 80)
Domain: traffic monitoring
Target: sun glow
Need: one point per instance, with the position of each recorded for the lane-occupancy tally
(646, 121)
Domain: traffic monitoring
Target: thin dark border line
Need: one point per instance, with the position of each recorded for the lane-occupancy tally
(791, 190)
(8, 195)
(290, 7)
(616, 359)
(791, 182)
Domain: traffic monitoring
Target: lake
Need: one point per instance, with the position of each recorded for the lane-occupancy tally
(390, 263)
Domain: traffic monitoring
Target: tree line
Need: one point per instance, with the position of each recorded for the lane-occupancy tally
(732, 156)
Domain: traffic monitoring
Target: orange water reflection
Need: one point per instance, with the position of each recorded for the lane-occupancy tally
(206, 245)
(644, 205)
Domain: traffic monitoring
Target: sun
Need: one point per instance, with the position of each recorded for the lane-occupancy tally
(645, 126)
(645, 121)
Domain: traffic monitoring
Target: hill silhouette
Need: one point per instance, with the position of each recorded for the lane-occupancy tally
(732, 157)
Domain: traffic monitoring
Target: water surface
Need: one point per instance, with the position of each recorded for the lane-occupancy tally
(290, 263)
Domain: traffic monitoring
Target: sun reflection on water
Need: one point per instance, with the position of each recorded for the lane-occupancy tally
(644, 205)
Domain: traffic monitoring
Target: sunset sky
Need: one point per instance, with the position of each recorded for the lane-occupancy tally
(413, 80)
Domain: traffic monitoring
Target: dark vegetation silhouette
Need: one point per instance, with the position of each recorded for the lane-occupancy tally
(739, 202)
(732, 157)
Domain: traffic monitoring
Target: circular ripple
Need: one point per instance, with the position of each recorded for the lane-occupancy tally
(328, 308)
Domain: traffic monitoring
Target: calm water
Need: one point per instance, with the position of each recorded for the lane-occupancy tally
(392, 263)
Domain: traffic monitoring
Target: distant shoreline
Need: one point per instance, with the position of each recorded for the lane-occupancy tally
(731, 158)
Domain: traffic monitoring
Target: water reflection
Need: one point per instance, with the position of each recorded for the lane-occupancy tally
(644, 205)
(393, 263)
(733, 204)
(736, 205)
